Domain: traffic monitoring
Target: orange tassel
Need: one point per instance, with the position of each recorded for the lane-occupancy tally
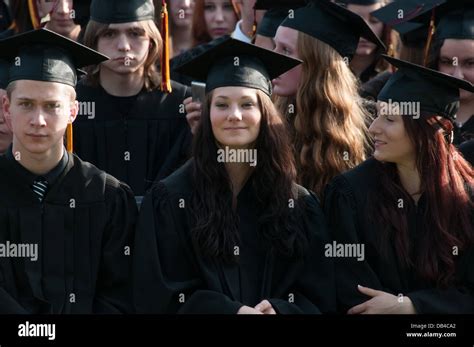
(431, 31)
(69, 139)
(165, 57)
(35, 18)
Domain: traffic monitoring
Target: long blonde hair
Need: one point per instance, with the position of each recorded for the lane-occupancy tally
(152, 76)
(330, 124)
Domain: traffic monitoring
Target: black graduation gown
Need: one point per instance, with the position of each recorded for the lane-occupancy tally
(467, 149)
(371, 88)
(136, 139)
(167, 263)
(82, 265)
(464, 133)
(345, 207)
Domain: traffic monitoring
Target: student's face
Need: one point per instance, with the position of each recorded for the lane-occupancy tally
(286, 42)
(182, 12)
(220, 17)
(127, 45)
(5, 133)
(457, 59)
(235, 116)
(61, 18)
(366, 47)
(392, 143)
(265, 42)
(38, 114)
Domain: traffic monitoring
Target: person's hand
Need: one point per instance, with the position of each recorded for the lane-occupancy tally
(248, 310)
(265, 307)
(248, 16)
(382, 303)
(193, 113)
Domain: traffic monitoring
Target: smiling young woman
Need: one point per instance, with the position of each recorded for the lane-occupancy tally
(234, 237)
(411, 205)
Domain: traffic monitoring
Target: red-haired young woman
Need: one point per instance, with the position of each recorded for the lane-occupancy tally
(409, 210)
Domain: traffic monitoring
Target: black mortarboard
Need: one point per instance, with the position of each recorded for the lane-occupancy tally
(232, 62)
(82, 11)
(436, 92)
(334, 25)
(277, 11)
(396, 15)
(453, 18)
(43, 55)
(458, 24)
(122, 11)
(4, 66)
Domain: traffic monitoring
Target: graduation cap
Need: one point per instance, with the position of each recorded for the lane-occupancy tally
(43, 55)
(82, 11)
(458, 24)
(277, 11)
(4, 66)
(122, 11)
(231, 62)
(334, 25)
(411, 34)
(436, 92)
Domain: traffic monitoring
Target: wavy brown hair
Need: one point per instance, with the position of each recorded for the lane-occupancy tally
(95, 30)
(447, 184)
(215, 221)
(330, 125)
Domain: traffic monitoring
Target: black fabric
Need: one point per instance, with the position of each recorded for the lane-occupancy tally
(43, 55)
(5, 17)
(276, 13)
(465, 132)
(231, 62)
(467, 149)
(369, 73)
(334, 25)
(371, 88)
(167, 263)
(3, 74)
(458, 24)
(82, 229)
(50, 177)
(150, 127)
(410, 83)
(346, 208)
(121, 11)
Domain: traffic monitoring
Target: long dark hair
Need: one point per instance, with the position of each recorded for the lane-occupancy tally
(215, 222)
(447, 181)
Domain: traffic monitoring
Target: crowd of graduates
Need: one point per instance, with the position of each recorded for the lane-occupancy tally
(358, 116)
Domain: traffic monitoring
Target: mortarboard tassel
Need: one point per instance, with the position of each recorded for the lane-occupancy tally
(165, 57)
(431, 31)
(35, 18)
(69, 138)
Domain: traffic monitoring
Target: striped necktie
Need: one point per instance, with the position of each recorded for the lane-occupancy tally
(40, 188)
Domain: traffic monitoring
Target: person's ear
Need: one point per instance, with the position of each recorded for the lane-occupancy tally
(73, 111)
(6, 111)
